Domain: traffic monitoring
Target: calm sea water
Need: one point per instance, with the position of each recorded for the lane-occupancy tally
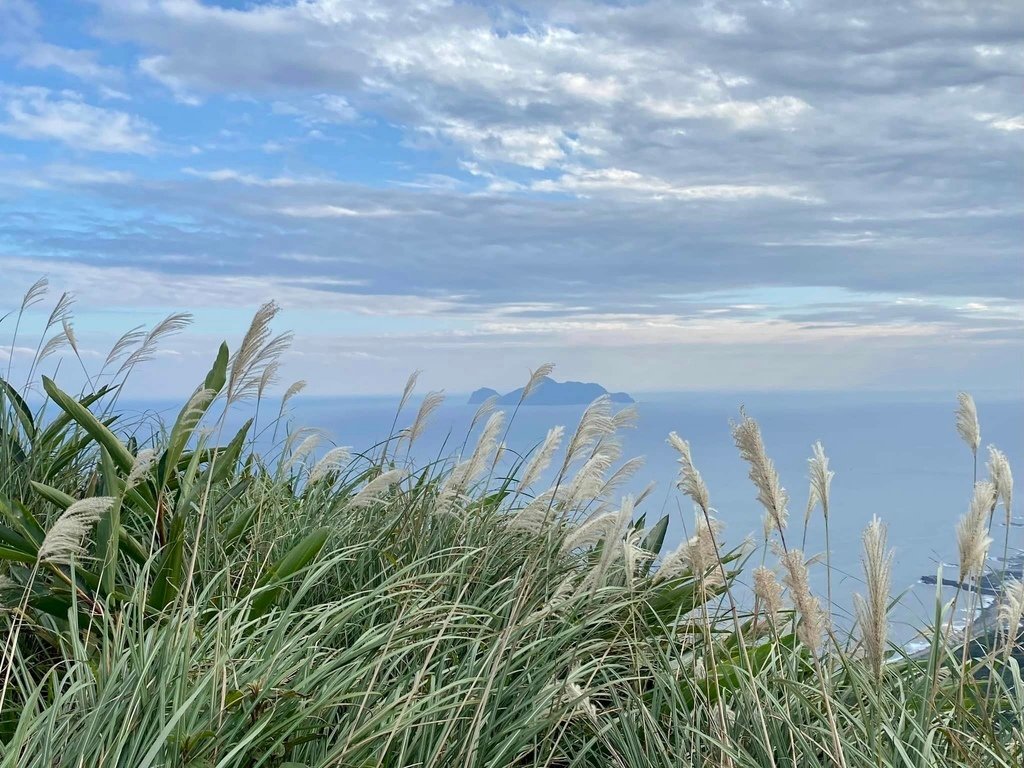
(895, 456)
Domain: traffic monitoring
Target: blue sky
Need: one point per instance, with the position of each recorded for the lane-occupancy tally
(654, 195)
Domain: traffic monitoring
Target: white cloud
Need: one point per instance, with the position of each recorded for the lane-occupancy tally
(40, 114)
(618, 181)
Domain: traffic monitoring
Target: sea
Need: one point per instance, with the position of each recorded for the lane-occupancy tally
(895, 455)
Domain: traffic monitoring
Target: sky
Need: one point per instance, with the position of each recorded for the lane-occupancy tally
(762, 195)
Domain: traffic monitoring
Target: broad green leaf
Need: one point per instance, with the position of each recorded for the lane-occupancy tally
(108, 525)
(296, 558)
(85, 418)
(20, 407)
(655, 539)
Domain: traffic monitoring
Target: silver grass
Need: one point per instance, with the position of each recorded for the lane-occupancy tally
(430, 404)
(536, 377)
(1011, 610)
(69, 331)
(646, 492)
(967, 421)
(65, 539)
(486, 409)
(625, 418)
(590, 532)
(370, 492)
(468, 472)
(770, 493)
(972, 531)
(293, 389)
(768, 592)
(197, 404)
(55, 343)
(333, 460)
(690, 481)
(1002, 477)
(534, 515)
(410, 385)
(141, 467)
(35, 293)
(541, 460)
(595, 423)
(309, 443)
(588, 481)
(61, 310)
(872, 611)
(124, 344)
(267, 378)
(812, 502)
(821, 476)
(258, 351)
(620, 477)
(613, 547)
(813, 619)
(170, 325)
(697, 554)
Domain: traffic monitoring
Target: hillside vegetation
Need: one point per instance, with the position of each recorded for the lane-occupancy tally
(169, 596)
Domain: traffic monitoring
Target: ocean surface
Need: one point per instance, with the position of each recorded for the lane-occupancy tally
(897, 456)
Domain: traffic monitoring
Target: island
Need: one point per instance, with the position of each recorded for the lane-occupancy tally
(551, 392)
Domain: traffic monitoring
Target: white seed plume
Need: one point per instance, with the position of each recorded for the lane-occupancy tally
(821, 476)
(770, 493)
(430, 404)
(595, 423)
(141, 467)
(536, 377)
(66, 537)
(69, 331)
(972, 531)
(35, 293)
(410, 385)
(333, 460)
(258, 351)
(698, 554)
(590, 532)
(170, 325)
(268, 377)
(690, 482)
(614, 544)
(621, 476)
(309, 443)
(647, 491)
(768, 592)
(468, 472)
(55, 343)
(370, 492)
(1011, 609)
(625, 418)
(1002, 477)
(872, 611)
(812, 618)
(534, 515)
(541, 460)
(291, 392)
(967, 422)
(486, 409)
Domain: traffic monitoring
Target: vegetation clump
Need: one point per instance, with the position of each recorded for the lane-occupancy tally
(172, 596)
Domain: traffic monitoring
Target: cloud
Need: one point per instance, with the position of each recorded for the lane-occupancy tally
(531, 170)
(33, 113)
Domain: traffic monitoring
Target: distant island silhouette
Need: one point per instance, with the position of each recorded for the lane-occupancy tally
(551, 392)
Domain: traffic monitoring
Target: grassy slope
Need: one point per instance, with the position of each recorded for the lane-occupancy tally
(234, 610)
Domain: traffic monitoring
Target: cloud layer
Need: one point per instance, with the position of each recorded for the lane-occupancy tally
(770, 176)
